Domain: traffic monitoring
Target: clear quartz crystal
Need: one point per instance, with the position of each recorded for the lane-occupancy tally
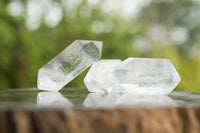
(98, 79)
(146, 76)
(68, 64)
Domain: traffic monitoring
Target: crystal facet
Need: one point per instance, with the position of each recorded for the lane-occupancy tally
(146, 76)
(68, 64)
(98, 79)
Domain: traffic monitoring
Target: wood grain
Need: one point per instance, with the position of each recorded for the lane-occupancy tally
(119, 120)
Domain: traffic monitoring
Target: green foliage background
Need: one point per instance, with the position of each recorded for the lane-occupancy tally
(24, 51)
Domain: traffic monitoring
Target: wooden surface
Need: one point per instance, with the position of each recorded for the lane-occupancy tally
(183, 116)
(129, 120)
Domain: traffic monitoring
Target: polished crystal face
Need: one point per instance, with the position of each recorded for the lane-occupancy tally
(98, 79)
(146, 76)
(68, 64)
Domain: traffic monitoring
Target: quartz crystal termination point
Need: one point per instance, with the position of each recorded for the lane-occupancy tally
(68, 64)
(146, 76)
(98, 78)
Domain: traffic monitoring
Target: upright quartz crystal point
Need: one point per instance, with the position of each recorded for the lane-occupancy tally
(146, 76)
(68, 64)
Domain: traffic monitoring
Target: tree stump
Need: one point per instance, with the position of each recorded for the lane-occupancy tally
(19, 113)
